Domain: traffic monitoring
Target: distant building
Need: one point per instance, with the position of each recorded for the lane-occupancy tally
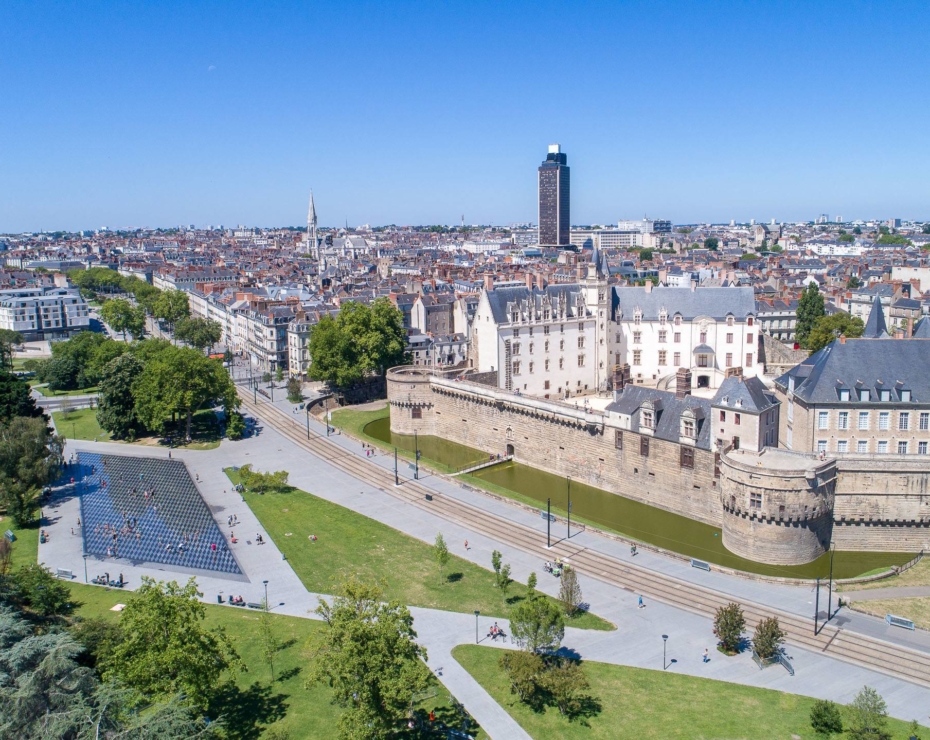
(555, 199)
(43, 313)
(646, 226)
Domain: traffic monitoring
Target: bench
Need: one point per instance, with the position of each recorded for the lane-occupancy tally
(542, 515)
(64, 573)
(700, 564)
(10, 537)
(899, 622)
(254, 605)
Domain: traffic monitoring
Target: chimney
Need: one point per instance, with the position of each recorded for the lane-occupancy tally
(621, 378)
(682, 383)
(529, 281)
(648, 286)
(579, 273)
(899, 333)
(910, 327)
(489, 282)
(540, 281)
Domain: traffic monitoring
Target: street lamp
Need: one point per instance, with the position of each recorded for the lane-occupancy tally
(307, 407)
(266, 595)
(664, 643)
(548, 523)
(569, 528)
(396, 478)
(830, 596)
(477, 612)
(85, 565)
(416, 463)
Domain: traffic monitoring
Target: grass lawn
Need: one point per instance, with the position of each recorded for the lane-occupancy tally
(350, 542)
(80, 424)
(919, 575)
(917, 610)
(44, 390)
(642, 704)
(204, 429)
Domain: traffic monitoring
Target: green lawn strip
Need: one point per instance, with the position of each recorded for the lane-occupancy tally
(44, 390)
(918, 575)
(348, 542)
(26, 545)
(643, 704)
(80, 424)
(204, 429)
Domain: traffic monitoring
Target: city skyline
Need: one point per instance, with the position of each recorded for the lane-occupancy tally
(177, 114)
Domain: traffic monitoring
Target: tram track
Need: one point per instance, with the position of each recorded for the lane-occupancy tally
(856, 648)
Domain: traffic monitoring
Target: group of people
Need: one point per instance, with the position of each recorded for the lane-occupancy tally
(496, 632)
(236, 600)
(104, 580)
(554, 568)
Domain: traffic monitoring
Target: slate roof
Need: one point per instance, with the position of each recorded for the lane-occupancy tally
(668, 421)
(749, 394)
(875, 327)
(873, 364)
(716, 303)
(922, 329)
(500, 297)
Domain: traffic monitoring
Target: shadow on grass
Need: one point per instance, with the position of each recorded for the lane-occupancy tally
(289, 674)
(454, 577)
(244, 711)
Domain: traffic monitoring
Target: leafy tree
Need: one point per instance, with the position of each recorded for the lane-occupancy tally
(846, 238)
(279, 374)
(270, 644)
(853, 283)
(810, 308)
(116, 412)
(856, 230)
(171, 306)
(826, 719)
(44, 594)
(167, 650)
(294, 390)
(99, 638)
(925, 229)
(729, 624)
(531, 584)
(884, 230)
(867, 716)
(828, 328)
(369, 657)
(8, 340)
(235, 427)
(180, 380)
(913, 731)
(570, 592)
(199, 333)
(768, 638)
(502, 579)
(886, 238)
(567, 686)
(62, 374)
(30, 457)
(524, 672)
(537, 625)
(122, 316)
(334, 356)
(711, 242)
(261, 482)
(15, 398)
(645, 255)
(441, 552)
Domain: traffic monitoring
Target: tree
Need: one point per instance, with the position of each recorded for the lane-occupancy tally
(913, 731)
(711, 242)
(567, 686)
(15, 398)
(853, 283)
(826, 719)
(62, 374)
(116, 412)
(122, 316)
(524, 672)
(30, 458)
(279, 374)
(171, 306)
(867, 716)
(180, 380)
(531, 584)
(294, 390)
(810, 308)
(887, 238)
(537, 625)
(199, 333)
(768, 638)
(369, 657)
(270, 644)
(167, 650)
(261, 482)
(856, 230)
(846, 238)
(44, 594)
(235, 427)
(828, 328)
(925, 229)
(8, 340)
(729, 624)
(570, 592)
(441, 553)
(502, 579)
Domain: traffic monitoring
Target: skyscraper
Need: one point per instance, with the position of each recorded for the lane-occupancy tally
(554, 200)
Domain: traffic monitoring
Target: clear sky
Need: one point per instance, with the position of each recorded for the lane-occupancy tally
(126, 114)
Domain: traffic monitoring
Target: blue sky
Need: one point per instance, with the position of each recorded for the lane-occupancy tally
(153, 114)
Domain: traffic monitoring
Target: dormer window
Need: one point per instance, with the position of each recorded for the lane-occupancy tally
(884, 395)
(688, 428)
(637, 318)
(678, 321)
(906, 396)
(729, 321)
(844, 394)
(863, 394)
(648, 419)
(663, 317)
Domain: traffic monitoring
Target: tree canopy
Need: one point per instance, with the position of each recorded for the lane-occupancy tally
(810, 308)
(171, 306)
(360, 340)
(30, 458)
(199, 333)
(8, 340)
(537, 625)
(123, 317)
(15, 398)
(116, 411)
(828, 328)
(711, 242)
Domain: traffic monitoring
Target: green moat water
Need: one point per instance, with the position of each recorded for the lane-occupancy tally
(632, 518)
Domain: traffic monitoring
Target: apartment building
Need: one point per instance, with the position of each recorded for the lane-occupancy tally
(44, 313)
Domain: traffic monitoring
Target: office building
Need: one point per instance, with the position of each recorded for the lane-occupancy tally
(554, 199)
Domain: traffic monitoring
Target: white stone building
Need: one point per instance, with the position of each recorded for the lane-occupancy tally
(44, 313)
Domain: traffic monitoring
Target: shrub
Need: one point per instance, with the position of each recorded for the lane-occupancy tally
(235, 428)
(768, 638)
(826, 719)
(867, 716)
(570, 592)
(729, 624)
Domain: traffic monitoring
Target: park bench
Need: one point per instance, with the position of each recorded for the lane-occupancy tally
(10, 537)
(695, 563)
(899, 622)
(543, 515)
(254, 605)
(65, 573)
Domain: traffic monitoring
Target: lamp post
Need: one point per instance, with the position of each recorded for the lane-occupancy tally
(816, 607)
(416, 463)
(664, 643)
(266, 595)
(548, 522)
(830, 596)
(477, 612)
(85, 565)
(307, 407)
(396, 478)
(569, 520)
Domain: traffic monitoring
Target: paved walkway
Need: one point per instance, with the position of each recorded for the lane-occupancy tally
(892, 592)
(636, 642)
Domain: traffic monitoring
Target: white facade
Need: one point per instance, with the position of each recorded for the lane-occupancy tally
(43, 313)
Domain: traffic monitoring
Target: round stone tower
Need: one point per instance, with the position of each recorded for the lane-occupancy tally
(410, 398)
(777, 505)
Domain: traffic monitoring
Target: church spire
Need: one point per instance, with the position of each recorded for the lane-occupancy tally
(312, 244)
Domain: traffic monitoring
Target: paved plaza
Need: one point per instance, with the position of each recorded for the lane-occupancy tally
(636, 642)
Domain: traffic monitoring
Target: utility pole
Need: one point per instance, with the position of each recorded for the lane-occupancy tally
(816, 607)
(548, 522)
(396, 479)
(416, 463)
(830, 597)
(569, 532)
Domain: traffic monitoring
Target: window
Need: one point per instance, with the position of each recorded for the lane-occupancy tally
(842, 420)
(516, 368)
(884, 395)
(902, 447)
(904, 421)
(755, 500)
(749, 359)
(844, 394)
(662, 354)
(546, 346)
(842, 446)
(546, 384)
(883, 447)
(749, 339)
(749, 321)
(637, 318)
(821, 445)
(863, 420)
(618, 439)
(581, 326)
(637, 337)
(637, 357)
(561, 344)
(921, 448)
(644, 446)
(677, 337)
(883, 421)
(416, 413)
(702, 361)
(924, 421)
(823, 419)
(862, 446)
(561, 363)
(580, 342)
(562, 328)
(729, 321)
(729, 337)
(516, 348)
(677, 321)
(581, 360)
(677, 359)
(663, 336)
(648, 420)
(906, 396)
(688, 427)
(864, 394)
(723, 416)
(686, 457)
(737, 419)
(546, 329)
(729, 359)
(531, 367)
(547, 367)
(703, 336)
(516, 332)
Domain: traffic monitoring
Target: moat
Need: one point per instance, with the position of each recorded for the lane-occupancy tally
(613, 512)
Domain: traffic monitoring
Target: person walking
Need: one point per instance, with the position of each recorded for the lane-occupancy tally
(641, 604)
(706, 656)
(466, 545)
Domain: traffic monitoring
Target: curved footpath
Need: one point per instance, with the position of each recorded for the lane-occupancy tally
(338, 471)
